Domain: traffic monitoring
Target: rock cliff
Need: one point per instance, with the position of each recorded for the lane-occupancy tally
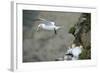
(82, 33)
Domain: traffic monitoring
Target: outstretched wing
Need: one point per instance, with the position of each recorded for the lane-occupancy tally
(47, 22)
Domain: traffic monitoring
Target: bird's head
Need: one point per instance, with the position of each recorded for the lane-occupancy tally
(73, 45)
(81, 47)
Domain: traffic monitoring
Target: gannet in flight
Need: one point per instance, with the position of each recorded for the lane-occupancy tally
(48, 25)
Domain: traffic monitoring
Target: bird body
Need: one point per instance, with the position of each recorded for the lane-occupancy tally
(75, 51)
(48, 25)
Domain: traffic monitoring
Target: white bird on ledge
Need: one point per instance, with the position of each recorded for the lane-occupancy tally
(74, 51)
(48, 25)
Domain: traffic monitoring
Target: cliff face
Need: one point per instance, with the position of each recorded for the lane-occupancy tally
(82, 34)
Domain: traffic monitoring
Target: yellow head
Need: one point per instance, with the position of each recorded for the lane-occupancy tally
(73, 45)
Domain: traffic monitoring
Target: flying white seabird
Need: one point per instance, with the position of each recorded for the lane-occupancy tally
(48, 25)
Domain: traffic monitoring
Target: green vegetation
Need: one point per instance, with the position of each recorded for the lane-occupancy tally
(86, 54)
(72, 30)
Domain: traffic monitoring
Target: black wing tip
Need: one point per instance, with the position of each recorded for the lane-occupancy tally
(55, 31)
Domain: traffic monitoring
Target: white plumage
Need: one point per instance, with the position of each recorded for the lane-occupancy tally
(48, 25)
(75, 51)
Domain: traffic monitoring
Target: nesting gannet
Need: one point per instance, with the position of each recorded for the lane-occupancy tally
(75, 51)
